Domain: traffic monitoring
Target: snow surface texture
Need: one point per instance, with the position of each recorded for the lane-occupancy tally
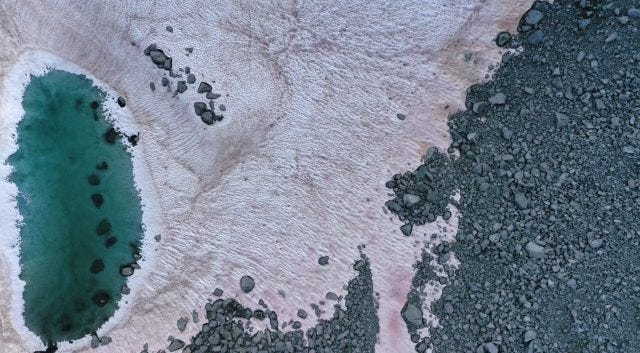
(296, 169)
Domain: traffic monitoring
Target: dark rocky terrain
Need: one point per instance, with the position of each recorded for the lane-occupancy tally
(548, 173)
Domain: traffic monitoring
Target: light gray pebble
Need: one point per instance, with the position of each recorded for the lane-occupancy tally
(534, 250)
(498, 99)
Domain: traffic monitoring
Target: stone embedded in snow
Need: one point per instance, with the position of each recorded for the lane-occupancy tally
(247, 284)
(412, 315)
(182, 323)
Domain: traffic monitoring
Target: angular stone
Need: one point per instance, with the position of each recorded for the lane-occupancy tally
(204, 87)
(498, 99)
(412, 315)
(534, 250)
(533, 17)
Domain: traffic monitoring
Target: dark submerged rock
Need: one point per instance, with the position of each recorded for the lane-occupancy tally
(104, 227)
(110, 136)
(94, 180)
(101, 298)
(97, 266)
(111, 241)
(97, 200)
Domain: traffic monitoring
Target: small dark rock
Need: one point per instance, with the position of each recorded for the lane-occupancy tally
(207, 117)
(323, 260)
(164, 82)
(111, 241)
(401, 116)
(167, 65)
(217, 292)
(151, 47)
(152, 86)
(104, 227)
(182, 87)
(169, 29)
(191, 79)
(97, 200)
(302, 314)
(247, 284)
(121, 102)
(102, 166)
(503, 39)
(406, 229)
(412, 315)
(259, 314)
(175, 345)
(95, 105)
(182, 324)
(204, 87)
(199, 108)
(101, 298)
(94, 180)
(110, 136)
(97, 266)
(134, 139)
(211, 95)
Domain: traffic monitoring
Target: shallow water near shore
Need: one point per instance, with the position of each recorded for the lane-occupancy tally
(81, 211)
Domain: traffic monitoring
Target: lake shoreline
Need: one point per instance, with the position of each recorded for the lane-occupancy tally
(38, 63)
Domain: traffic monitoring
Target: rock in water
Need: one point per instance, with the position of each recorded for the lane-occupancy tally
(101, 298)
(97, 266)
(126, 271)
(104, 227)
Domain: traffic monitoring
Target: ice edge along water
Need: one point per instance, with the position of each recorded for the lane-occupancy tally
(37, 63)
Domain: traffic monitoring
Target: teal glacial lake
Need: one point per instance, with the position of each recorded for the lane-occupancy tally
(82, 217)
